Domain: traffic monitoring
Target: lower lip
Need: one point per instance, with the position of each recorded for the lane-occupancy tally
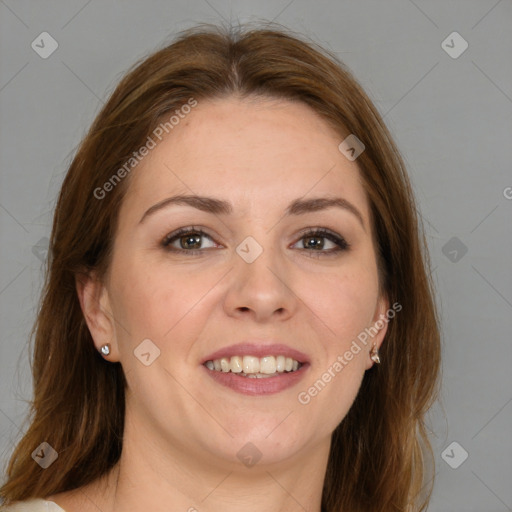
(254, 386)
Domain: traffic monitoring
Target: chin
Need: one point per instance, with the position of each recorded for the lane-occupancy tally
(270, 441)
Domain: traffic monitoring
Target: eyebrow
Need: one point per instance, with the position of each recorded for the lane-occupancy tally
(221, 207)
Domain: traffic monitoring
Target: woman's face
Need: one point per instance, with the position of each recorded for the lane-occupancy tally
(254, 278)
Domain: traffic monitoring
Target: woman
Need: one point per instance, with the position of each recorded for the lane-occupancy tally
(238, 310)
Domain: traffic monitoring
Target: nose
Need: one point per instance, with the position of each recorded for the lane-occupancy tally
(262, 289)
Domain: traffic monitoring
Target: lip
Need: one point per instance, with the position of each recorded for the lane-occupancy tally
(259, 349)
(265, 386)
(252, 386)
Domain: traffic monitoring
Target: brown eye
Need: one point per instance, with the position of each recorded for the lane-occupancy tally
(314, 241)
(188, 240)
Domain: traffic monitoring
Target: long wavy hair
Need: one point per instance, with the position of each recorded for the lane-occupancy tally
(378, 457)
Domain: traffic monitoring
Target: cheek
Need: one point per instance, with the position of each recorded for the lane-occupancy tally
(153, 300)
(343, 301)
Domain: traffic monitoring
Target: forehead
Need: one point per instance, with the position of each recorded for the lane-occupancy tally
(254, 152)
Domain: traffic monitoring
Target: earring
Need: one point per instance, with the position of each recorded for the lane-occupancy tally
(374, 354)
(105, 349)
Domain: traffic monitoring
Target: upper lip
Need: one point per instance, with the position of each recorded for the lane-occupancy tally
(258, 349)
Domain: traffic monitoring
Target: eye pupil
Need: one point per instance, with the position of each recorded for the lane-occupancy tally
(194, 239)
(318, 245)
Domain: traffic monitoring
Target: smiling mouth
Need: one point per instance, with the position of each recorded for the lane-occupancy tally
(254, 367)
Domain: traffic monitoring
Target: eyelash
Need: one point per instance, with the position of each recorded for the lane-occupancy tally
(342, 244)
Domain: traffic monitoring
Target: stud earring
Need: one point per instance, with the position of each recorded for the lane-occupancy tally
(374, 354)
(105, 349)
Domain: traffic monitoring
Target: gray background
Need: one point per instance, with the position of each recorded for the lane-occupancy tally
(451, 117)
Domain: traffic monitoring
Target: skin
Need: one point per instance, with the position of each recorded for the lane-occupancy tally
(183, 430)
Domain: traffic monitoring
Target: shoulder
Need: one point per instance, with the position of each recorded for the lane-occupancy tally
(32, 505)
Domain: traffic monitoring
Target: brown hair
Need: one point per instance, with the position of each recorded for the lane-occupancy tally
(376, 461)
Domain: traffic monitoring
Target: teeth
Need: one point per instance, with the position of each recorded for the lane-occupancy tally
(254, 367)
(236, 364)
(268, 365)
(224, 364)
(250, 364)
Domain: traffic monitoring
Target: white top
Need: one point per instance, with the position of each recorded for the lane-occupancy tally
(32, 505)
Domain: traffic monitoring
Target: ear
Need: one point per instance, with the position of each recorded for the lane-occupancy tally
(95, 304)
(380, 322)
